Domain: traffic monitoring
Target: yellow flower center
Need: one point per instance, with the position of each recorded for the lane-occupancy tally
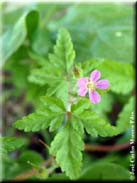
(91, 86)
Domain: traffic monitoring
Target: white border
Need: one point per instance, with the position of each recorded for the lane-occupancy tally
(45, 1)
(70, 1)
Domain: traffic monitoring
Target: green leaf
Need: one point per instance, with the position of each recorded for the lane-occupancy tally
(38, 59)
(111, 39)
(59, 63)
(94, 124)
(77, 125)
(35, 91)
(95, 34)
(56, 122)
(123, 122)
(105, 171)
(19, 66)
(47, 74)
(80, 106)
(34, 122)
(89, 65)
(62, 91)
(120, 75)
(54, 103)
(41, 42)
(11, 143)
(54, 70)
(31, 156)
(64, 53)
(58, 85)
(51, 112)
(15, 36)
(67, 146)
(106, 103)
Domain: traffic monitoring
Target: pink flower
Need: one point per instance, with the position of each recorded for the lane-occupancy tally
(90, 85)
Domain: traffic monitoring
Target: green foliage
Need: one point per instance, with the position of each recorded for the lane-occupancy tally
(56, 68)
(39, 37)
(89, 65)
(121, 76)
(105, 171)
(15, 36)
(67, 146)
(94, 124)
(11, 143)
(80, 106)
(33, 122)
(106, 104)
(54, 103)
(13, 168)
(10, 167)
(63, 51)
(27, 39)
(100, 171)
(59, 62)
(124, 118)
(29, 156)
(51, 113)
(19, 69)
(105, 30)
(45, 74)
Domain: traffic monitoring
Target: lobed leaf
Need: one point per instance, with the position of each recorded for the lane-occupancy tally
(64, 53)
(53, 71)
(56, 122)
(50, 113)
(80, 106)
(123, 122)
(96, 125)
(33, 122)
(67, 146)
(53, 103)
(47, 74)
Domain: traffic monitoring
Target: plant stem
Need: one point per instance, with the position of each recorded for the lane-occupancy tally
(107, 148)
(88, 147)
(33, 171)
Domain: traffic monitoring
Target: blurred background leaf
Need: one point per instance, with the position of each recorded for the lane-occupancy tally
(14, 37)
(106, 171)
(100, 30)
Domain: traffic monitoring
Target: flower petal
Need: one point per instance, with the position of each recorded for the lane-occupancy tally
(102, 84)
(95, 75)
(94, 97)
(82, 82)
(82, 91)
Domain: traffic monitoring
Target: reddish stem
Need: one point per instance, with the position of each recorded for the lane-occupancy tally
(107, 148)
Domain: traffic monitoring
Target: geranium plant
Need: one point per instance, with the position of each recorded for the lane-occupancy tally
(72, 100)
